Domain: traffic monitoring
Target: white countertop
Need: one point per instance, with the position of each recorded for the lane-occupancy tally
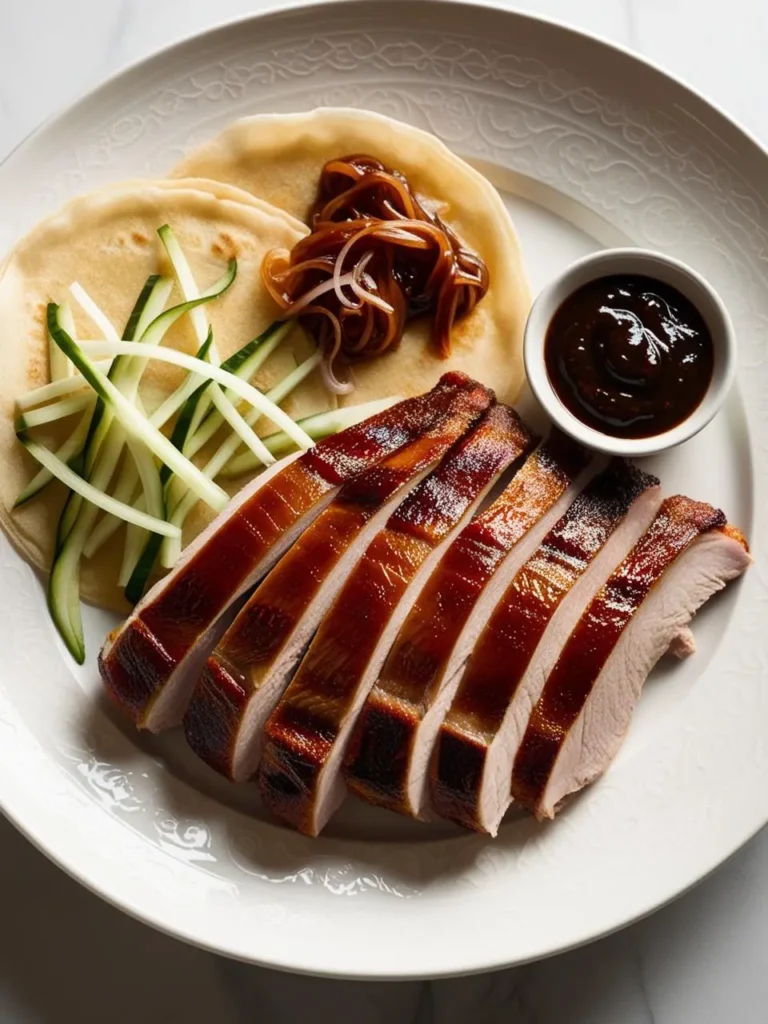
(66, 956)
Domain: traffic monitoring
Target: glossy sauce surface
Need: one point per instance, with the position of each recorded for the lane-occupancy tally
(629, 356)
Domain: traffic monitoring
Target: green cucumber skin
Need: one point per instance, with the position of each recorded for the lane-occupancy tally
(82, 463)
(134, 588)
(63, 590)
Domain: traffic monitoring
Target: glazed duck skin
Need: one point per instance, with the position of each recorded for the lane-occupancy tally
(150, 664)
(398, 722)
(300, 774)
(582, 716)
(355, 636)
(478, 739)
(249, 668)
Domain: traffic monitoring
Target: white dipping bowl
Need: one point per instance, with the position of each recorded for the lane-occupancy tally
(649, 264)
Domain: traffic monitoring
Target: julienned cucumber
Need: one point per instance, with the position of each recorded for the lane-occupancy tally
(63, 592)
(244, 364)
(215, 373)
(68, 450)
(176, 492)
(148, 306)
(140, 572)
(190, 291)
(57, 388)
(63, 585)
(150, 323)
(128, 415)
(92, 494)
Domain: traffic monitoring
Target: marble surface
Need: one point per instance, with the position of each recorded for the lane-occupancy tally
(65, 955)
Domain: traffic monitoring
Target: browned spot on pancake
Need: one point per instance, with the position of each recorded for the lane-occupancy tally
(40, 315)
(225, 246)
(37, 369)
(139, 239)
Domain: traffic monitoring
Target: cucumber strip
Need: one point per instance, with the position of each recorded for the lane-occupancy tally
(183, 392)
(58, 411)
(321, 425)
(154, 334)
(78, 355)
(126, 373)
(57, 364)
(92, 494)
(229, 447)
(187, 284)
(106, 527)
(64, 585)
(68, 450)
(141, 550)
(190, 291)
(241, 427)
(57, 388)
(148, 307)
(90, 308)
(129, 416)
(244, 364)
(135, 542)
(77, 519)
(146, 310)
(59, 367)
(149, 474)
(126, 486)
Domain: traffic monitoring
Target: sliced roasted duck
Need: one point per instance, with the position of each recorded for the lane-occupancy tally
(300, 774)
(151, 663)
(247, 672)
(583, 714)
(518, 647)
(355, 635)
(388, 752)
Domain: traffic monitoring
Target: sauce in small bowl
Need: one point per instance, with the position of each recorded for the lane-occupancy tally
(629, 351)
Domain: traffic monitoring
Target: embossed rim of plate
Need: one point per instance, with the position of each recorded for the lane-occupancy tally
(88, 842)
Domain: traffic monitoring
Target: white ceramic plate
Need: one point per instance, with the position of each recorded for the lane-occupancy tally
(591, 147)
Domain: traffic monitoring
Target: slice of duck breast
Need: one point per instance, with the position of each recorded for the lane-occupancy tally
(247, 672)
(150, 664)
(300, 773)
(477, 741)
(582, 716)
(438, 635)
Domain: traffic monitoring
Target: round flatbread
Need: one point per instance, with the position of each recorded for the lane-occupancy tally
(279, 157)
(107, 241)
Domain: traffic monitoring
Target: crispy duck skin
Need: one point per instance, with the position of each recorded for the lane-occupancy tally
(580, 720)
(355, 636)
(301, 769)
(150, 664)
(478, 738)
(450, 612)
(246, 673)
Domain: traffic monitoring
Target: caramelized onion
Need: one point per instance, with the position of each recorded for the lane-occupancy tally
(375, 258)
